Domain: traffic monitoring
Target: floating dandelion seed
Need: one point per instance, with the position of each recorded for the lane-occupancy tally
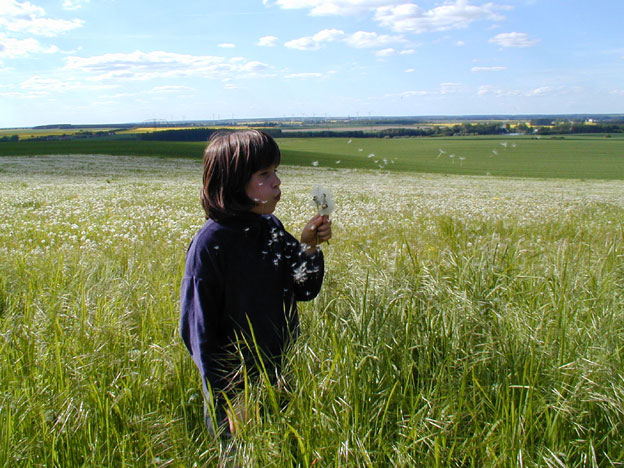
(371, 155)
(360, 149)
(349, 142)
(315, 163)
(504, 144)
(338, 162)
(494, 152)
(322, 201)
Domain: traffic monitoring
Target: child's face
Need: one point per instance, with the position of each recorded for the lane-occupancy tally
(263, 188)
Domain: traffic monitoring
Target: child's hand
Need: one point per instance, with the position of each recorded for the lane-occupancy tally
(316, 231)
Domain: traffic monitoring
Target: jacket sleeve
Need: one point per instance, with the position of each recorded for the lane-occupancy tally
(200, 313)
(308, 275)
(306, 271)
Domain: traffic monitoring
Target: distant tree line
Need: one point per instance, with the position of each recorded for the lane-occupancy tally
(464, 129)
(186, 134)
(541, 126)
(576, 127)
(203, 134)
(10, 138)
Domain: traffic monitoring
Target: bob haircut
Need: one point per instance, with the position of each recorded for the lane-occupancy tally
(230, 159)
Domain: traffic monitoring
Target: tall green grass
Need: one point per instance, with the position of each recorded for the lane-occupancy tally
(463, 322)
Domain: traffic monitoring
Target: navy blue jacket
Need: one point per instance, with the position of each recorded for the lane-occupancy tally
(242, 279)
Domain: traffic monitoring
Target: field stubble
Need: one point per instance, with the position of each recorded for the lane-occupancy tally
(464, 321)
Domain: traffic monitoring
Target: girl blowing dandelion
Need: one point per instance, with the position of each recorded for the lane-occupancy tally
(244, 273)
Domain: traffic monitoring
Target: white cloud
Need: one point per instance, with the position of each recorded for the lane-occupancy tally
(486, 90)
(74, 4)
(267, 41)
(362, 39)
(226, 45)
(45, 85)
(460, 43)
(12, 8)
(13, 48)
(409, 94)
(410, 70)
(442, 90)
(314, 42)
(304, 75)
(541, 91)
(38, 83)
(332, 7)
(359, 40)
(390, 51)
(449, 88)
(494, 69)
(304, 43)
(514, 39)
(329, 35)
(403, 16)
(140, 65)
(385, 52)
(409, 17)
(252, 67)
(24, 17)
(170, 89)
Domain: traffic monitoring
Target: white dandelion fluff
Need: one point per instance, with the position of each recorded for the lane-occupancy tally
(315, 163)
(322, 200)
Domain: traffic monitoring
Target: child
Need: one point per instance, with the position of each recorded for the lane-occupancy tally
(244, 272)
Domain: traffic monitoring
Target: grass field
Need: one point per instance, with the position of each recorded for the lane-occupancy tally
(573, 157)
(464, 321)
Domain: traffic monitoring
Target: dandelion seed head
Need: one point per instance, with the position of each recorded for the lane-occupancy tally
(322, 200)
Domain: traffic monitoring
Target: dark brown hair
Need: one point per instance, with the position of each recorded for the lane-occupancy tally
(230, 159)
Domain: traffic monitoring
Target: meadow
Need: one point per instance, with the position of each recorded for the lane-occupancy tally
(569, 157)
(464, 321)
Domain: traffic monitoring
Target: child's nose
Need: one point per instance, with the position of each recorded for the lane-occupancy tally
(277, 181)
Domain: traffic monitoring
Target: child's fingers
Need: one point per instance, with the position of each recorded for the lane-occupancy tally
(324, 231)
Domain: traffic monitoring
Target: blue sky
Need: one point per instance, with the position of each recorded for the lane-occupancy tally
(111, 61)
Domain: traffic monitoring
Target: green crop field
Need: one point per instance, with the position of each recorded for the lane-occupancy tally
(572, 157)
(593, 158)
(464, 321)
